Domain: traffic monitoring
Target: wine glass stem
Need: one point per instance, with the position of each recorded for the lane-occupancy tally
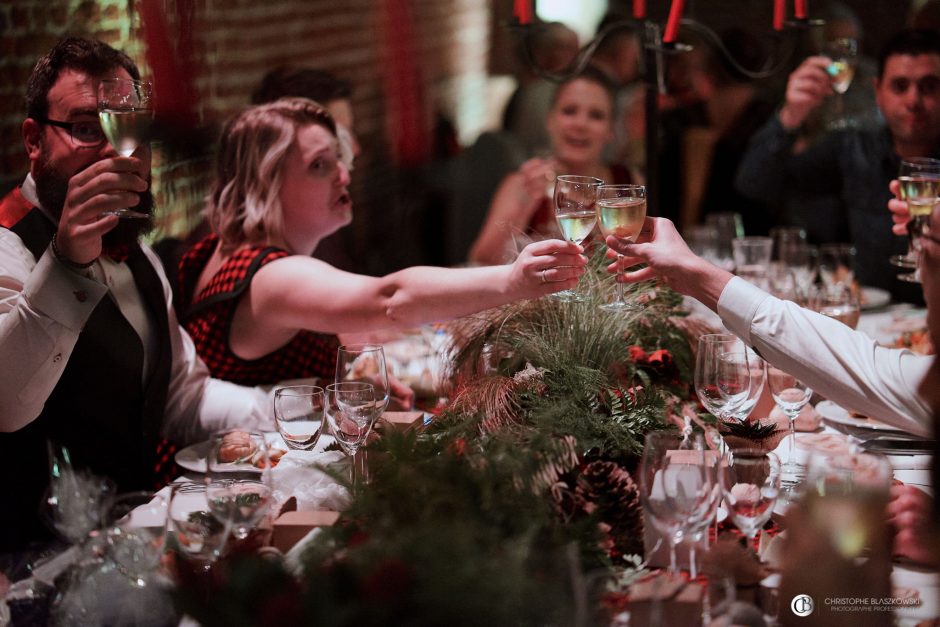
(791, 457)
(673, 562)
(620, 270)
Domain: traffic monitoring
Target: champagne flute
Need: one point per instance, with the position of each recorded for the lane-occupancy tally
(919, 184)
(125, 108)
(298, 414)
(675, 486)
(791, 395)
(351, 410)
(844, 55)
(365, 363)
(575, 198)
(750, 484)
(621, 211)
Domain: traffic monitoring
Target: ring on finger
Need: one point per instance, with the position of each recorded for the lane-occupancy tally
(542, 276)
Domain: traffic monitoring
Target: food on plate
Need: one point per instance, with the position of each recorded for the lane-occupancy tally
(918, 341)
(236, 446)
(824, 443)
(807, 420)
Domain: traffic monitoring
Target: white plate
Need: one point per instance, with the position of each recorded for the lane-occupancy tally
(875, 297)
(193, 457)
(834, 413)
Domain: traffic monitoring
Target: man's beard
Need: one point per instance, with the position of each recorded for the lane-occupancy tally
(52, 188)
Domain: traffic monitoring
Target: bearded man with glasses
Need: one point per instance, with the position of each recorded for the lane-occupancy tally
(94, 358)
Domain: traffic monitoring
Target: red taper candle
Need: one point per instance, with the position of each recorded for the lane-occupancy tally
(799, 11)
(780, 13)
(672, 24)
(639, 9)
(523, 11)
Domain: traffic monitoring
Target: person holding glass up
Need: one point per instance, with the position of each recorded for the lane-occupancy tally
(854, 164)
(261, 310)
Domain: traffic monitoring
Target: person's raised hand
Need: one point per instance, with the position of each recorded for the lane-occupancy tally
(808, 86)
(900, 214)
(538, 176)
(910, 514)
(546, 267)
(106, 185)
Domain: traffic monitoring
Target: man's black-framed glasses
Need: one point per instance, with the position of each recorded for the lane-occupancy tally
(86, 133)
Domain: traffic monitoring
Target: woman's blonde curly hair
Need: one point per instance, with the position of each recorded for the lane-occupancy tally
(244, 205)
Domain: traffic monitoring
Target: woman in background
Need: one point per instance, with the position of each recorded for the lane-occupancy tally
(580, 125)
(261, 310)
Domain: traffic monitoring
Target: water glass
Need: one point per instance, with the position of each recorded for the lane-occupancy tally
(839, 303)
(786, 238)
(298, 414)
(752, 258)
(837, 264)
(198, 536)
(750, 484)
(729, 225)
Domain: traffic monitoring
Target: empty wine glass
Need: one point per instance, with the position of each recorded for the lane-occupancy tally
(575, 198)
(802, 260)
(621, 211)
(125, 108)
(839, 303)
(237, 491)
(135, 526)
(837, 264)
(790, 395)
(298, 414)
(843, 53)
(757, 369)
(750, 484)
(197, 534)
(351, 410)
(364, 363)
(722, 374)
(675, 486)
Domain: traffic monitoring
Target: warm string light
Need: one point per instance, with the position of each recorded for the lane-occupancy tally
(672, 24)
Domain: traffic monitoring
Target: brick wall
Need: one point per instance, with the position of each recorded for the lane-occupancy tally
(235, 42)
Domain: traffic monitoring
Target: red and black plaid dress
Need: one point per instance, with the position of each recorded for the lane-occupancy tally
(209, 315)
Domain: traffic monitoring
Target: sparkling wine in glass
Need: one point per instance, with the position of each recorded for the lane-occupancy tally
(621, 211)
(791, 395)
(843, 53)
(919, 185)
(575, 198)
(125, 108)
(750, 484)
(298, 413)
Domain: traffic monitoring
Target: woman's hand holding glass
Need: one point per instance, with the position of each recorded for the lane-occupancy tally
(575, 198)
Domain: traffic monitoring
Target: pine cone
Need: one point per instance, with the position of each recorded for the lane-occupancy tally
(608, 490)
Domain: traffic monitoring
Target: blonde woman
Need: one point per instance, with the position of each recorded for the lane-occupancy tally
(261, 310)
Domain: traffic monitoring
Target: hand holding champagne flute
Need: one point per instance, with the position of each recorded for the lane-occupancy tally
(575, 197)
(621, 210)
(919, 187)
(125, 108)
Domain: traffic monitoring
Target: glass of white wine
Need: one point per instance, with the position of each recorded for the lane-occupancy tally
(844, 55)
(919, 184)
(125, 108)
(621, 210)
(575, 199)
